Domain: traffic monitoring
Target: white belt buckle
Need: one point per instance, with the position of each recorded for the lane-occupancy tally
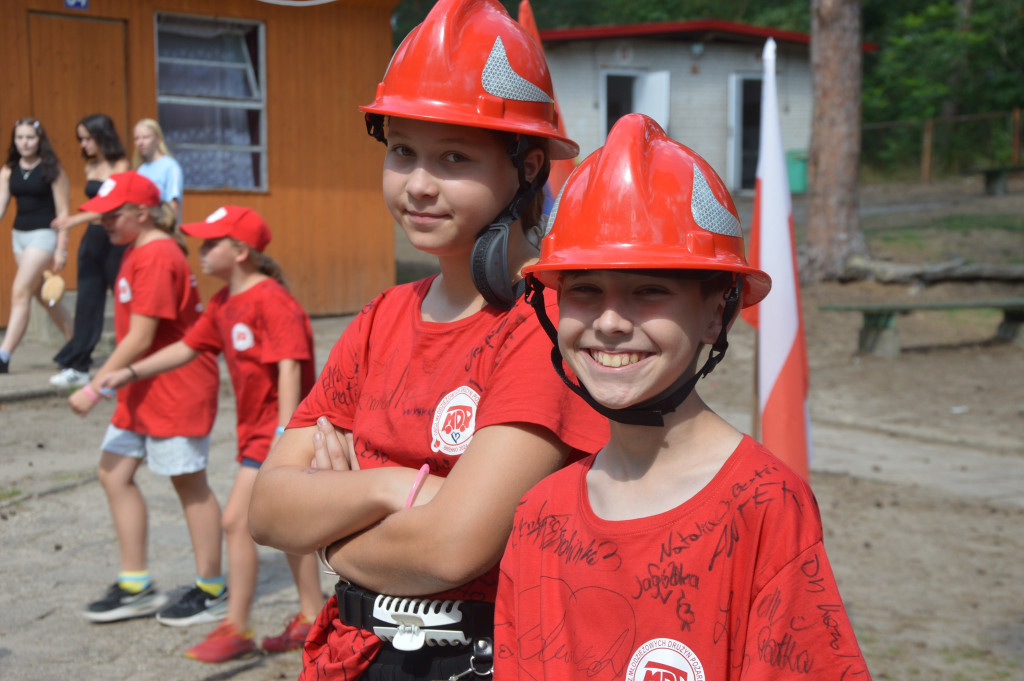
(415, 620)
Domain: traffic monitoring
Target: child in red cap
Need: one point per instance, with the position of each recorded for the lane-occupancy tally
(166, 419)
(267, 342)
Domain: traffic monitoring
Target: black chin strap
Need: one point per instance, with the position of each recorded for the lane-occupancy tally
(650, 413)
(489, 260)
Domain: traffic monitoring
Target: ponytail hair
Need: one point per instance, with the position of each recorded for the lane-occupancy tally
(164, 218)
(266, 265)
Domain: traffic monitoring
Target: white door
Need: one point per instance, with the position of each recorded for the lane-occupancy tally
(633, 91)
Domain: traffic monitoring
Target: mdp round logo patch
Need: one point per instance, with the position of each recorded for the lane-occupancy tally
(124, 290)
(664, 659)
(454, 421)
(241, 337)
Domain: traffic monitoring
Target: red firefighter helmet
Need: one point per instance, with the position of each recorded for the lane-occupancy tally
(469, 63)
(645, 201)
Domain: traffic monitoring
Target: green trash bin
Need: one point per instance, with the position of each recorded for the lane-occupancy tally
(796, 169)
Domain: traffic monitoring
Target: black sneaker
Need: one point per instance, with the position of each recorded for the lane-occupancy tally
(119, 604)
(5, 367)
(194, 607)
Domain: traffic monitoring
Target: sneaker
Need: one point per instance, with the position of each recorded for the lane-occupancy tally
(119, 604)
(5, 366)
(195, 607)
(293, 636)
(223, 643)
(70, 378)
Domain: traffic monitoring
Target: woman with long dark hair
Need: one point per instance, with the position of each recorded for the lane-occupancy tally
(98, 259)
(32, 174)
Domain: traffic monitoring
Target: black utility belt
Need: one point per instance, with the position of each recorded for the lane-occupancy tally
(411, 623)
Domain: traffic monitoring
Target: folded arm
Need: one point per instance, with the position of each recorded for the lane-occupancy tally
(298, 506)
(460, 532)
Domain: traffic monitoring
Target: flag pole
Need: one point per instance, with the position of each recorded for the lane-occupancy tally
(780, 351)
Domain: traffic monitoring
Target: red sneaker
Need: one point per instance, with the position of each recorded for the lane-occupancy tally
(293, 636)
(222, 644)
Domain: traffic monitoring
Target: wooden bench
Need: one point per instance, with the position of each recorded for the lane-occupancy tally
(995, 177)
(879, 336)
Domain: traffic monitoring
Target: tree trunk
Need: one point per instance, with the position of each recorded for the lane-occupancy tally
(834, 233)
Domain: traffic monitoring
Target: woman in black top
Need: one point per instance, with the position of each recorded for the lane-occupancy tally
(98, 259)
(33, 175)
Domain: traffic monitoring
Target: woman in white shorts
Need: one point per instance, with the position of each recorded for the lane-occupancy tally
(32, 174)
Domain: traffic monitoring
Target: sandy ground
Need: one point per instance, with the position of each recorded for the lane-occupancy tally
(918, 469)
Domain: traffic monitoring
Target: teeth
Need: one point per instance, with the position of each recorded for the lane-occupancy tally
(615, 360)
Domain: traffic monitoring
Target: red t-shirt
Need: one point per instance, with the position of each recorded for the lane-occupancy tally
(414, 392)
(155, 281)
(732, 584)
(256, 329)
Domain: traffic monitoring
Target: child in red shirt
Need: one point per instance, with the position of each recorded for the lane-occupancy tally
(167, 419)
(683, 549)
(267, 342)
(438, 381)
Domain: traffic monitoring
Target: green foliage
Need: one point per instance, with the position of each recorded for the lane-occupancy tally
(787, 14)
(934, 58)
(941, 58)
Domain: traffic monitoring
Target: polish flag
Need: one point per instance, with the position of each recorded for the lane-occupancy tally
(782, 374)
(559, 169)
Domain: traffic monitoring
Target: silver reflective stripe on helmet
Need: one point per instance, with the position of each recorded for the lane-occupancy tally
(554, 211)
(708, 213)
(501, 80)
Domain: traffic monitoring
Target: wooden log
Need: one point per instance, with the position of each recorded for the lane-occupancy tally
(859, 268)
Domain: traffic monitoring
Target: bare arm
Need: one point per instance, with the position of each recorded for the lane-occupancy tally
(289, 388)
(141, 332)
(5, 189)
(69, 221)
(298, 507)
(461, 532)
(169, 357)
(61, 189)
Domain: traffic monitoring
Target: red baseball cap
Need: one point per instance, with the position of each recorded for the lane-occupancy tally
(239, 223)
(122, 188)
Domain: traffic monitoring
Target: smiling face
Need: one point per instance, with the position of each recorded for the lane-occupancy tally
(630, 335)
(26, 140)
(444, 183)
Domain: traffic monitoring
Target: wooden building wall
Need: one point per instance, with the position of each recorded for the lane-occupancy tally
(332, 233)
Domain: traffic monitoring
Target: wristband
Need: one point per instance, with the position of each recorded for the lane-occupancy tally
(131, 370)
(280, 431)
(420, 477)
(90, 393)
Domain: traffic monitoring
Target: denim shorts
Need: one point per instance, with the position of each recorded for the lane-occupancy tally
(177, 455)
(44, 239)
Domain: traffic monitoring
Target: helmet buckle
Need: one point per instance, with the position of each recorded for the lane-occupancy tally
(489, 105)
(701, 243)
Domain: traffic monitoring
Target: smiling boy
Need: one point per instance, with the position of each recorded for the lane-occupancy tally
(683, 550)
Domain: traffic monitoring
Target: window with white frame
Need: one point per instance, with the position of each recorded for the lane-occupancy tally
(211, 99)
